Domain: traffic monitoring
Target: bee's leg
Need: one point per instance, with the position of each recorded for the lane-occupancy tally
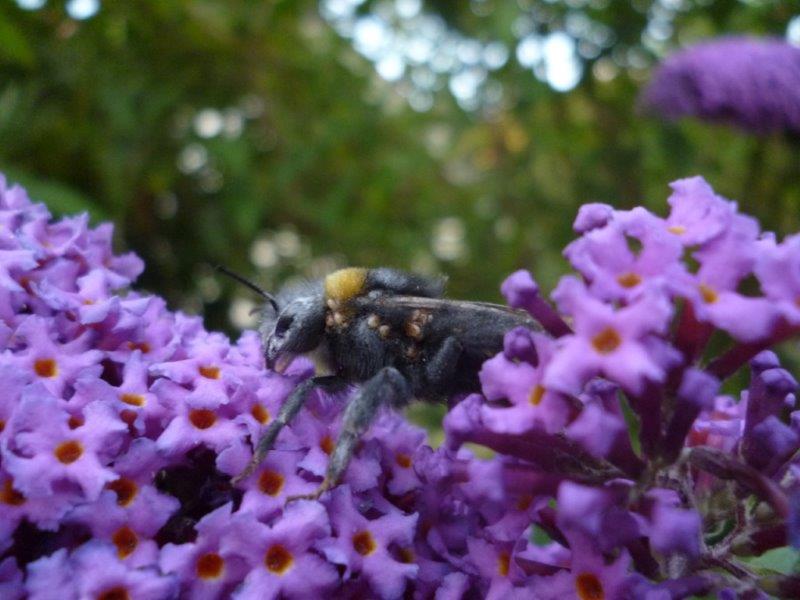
(442, 366)
(289, 409)
(387, 387)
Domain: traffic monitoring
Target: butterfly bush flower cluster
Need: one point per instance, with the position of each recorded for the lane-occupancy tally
(621, 468)
(753, 83)
(665, 481)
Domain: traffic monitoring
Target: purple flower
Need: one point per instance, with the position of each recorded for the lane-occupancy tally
(778, 271)
(366, 546)
(697, 214)
(280, 559)
(588, 576)
(749, 82)
(205, 572)
(520, 384)
(607, 342)
(615, 271)
(10, 580)
(45, 447)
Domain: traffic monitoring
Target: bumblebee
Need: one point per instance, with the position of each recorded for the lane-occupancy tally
(388, 331)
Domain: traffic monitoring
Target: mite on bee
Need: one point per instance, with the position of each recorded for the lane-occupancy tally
(388, 331)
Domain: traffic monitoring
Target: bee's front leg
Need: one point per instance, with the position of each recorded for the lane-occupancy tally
(290, 408)
(387, 387)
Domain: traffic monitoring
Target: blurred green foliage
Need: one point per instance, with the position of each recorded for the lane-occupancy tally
(255, 135)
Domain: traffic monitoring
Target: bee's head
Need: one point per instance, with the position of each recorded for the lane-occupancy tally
(291, 323)
(296, 327)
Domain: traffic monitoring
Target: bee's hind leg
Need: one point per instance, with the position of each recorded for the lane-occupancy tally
(387, 387)
(290, 408)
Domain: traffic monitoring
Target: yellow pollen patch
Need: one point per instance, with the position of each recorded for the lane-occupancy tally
(10, 496)
(503, 562)
(116, 593)
(589, 587)
(45, 367)
(345, 284)
(210, 566)
(68, 452)
(209, 372)
(364, 543)
(278, 559)
(125, 489)
(629, 280)
(126, 540)
(708, 293)
(260, 413)
(677, 229)
(537, 393)
(132, 399)
(271, 483)
(606, 341)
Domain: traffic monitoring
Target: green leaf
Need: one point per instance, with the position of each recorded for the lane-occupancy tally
(632, 421)
(785, 561)
(13, 45)
(59, 197)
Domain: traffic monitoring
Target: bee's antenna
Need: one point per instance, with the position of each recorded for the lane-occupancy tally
(246, 282)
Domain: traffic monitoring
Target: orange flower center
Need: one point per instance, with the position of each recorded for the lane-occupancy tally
(503, 562)
(202, 418)
(128, 416)
(271, 483)
(2, 425)
(125, 489)
(75, 421)
(708, 294)
(68, 452)
(629, 280)
(144, 347)
(404, 460)
(125, 540)
(364, 543)
(606, 341)
(537, 393)
(45, 367)
(132, 399)
(115, 593)
(210, 372)
(278, 559)
(407, 555)
(326, 444)
(589, 587)
(10, 496)
(260, 413)
(210, 566)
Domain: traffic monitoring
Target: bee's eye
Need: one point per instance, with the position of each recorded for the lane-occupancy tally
(283, 325)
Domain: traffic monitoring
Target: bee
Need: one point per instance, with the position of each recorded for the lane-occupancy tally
(390, 332)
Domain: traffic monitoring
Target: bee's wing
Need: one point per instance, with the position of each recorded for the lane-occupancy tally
(444, 304)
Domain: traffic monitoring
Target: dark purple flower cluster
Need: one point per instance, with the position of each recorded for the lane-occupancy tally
(121, 423)
(750, 82)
